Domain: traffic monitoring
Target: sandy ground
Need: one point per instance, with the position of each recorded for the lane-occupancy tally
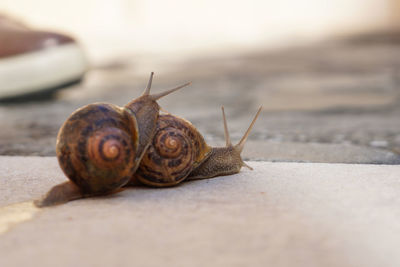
(280, 214)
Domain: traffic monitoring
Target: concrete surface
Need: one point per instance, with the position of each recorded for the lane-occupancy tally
(317, 153)
(280, 214)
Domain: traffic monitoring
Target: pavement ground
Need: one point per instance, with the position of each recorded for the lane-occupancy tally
(280, 214)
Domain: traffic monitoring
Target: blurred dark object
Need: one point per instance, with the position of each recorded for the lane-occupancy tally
(34, 63)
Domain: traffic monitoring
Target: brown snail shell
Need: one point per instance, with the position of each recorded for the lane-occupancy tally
(175, 150)
(96, 148)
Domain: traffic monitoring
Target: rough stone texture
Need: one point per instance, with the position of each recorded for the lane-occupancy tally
(317, 152)
(342, 92)
(280, 214)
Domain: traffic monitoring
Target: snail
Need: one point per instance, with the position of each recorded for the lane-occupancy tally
(99, 147)
(102, 147)
(178, 152)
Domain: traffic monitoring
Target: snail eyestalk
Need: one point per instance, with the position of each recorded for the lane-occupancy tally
(148, 87)
(155, 97)
(226, 132)
(242, 141)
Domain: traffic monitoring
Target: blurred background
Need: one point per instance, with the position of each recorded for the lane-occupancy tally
(189, 28)
(110, 28)
(326, 72)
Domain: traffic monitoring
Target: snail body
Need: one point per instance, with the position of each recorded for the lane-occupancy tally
(222, 161)
(99, 147)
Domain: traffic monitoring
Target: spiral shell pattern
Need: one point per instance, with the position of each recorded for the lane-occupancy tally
(176, 149)
(96, 147)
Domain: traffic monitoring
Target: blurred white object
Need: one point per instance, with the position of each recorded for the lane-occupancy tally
(37, 71)
(35, 63)
(179, 27)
